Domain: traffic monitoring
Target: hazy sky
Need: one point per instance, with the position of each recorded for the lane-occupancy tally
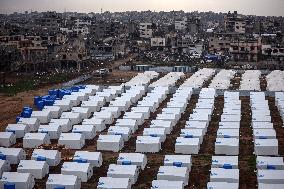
(256, 7)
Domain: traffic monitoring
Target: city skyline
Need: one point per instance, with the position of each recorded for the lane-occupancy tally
(250, 7)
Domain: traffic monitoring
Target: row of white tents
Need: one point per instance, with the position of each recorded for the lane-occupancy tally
(142, 79)
(164, 122)
(251, 80)
(114, 140)
(174, 174)
(227, 141)
(131, 120)
(223, 79)
(275, 81)
(168, 80)
(198, 78)
(191, 137)
(270, 171)
(279, 102)
(224, 171)
(265, 141)
(127, 168)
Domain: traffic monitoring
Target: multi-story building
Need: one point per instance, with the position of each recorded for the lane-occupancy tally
(235, 23)
(146, 30)
(248, 49)
(158, 42)
(181, 24)
(220, 42)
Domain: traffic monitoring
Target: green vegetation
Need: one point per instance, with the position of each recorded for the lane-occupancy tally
(252, 161)
(18, 87)
(58, 78)
(32, 84)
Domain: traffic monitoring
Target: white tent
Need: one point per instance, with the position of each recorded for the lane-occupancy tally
(224, 175)
(168, 117)
(53, 130)
(72, 140)
(93, 106)
(136, 116)
(222, 185)
(110, 143)
(168, 125)
(187, 145)
(87, 92)
(145, 110)
(94, 158)
(4, 167)
(148, 144)
(114, 111)
(64, 123)
(166, 184)
(180, 105)
(229, 125)
(38, 169)
(226, 162)
(107, 116)
(130, 123)
(197, 125)
(122, 105)
(65, 105)
(19, 129)
(85, 113)
(33, 140)
(227, 146)
(98, 123)
(270, 186)
(59, 180)
(192, 133)
(153, 105)
(7, 139)
(132, 159)
(125, 132)
(55, 111)
(156, 132)
(266, 162)
(228, 133)
(84, 171)
(32, 123)
(74, 99)
(270, 176)
(172, 173)
(52, 157)
(17, 180)
(89, 131)
(12, 155)
(42, 116)
(82, 95)
(230, 118)
(262, 125)
(264, 134)
(207, 111)
(114, 183)
(124, 171)
(75, 118)
(266, 146)
(178, 161)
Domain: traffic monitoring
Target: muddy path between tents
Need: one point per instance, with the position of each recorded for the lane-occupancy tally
(277, 124)
(247, 159)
